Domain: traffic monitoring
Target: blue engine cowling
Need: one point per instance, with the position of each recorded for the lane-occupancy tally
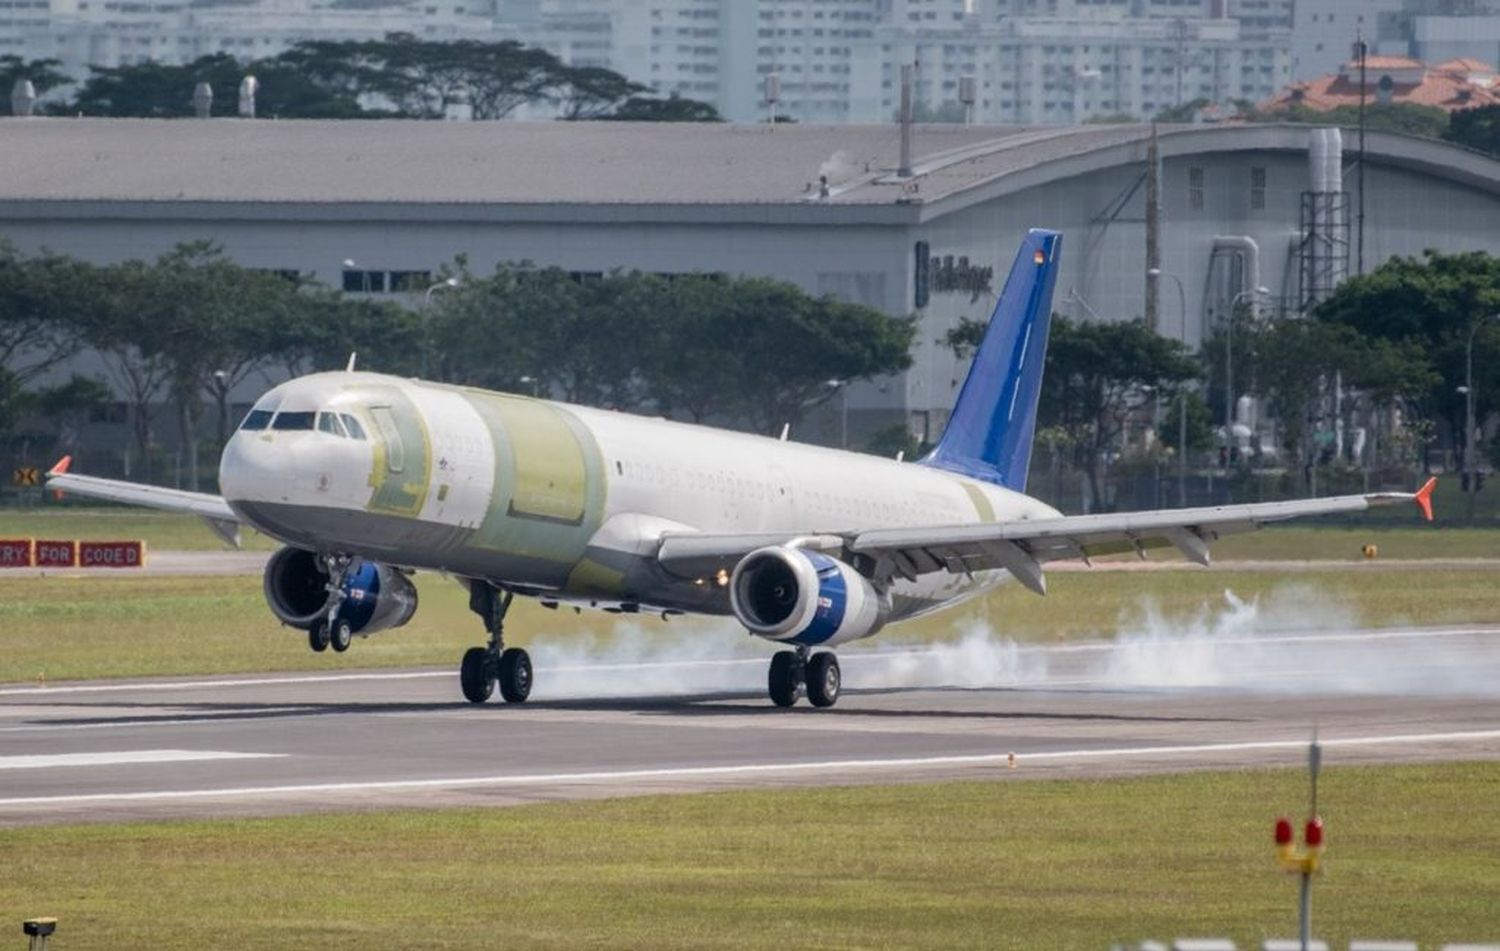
(375, 597)
(804, 597)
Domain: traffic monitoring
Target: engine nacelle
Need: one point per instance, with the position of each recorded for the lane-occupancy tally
(804, 597)
(375, 596)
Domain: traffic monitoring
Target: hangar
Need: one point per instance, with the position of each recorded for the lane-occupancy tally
(825, 207)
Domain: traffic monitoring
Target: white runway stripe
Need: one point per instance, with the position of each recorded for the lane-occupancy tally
(122, 757)
(710, 772)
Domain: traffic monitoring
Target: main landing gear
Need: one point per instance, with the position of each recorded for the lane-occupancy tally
(482, 667)
(819, 673)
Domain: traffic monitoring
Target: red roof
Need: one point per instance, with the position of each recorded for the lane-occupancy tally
(1446, 86)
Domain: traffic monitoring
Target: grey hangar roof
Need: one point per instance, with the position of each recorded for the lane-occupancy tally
(350, 169)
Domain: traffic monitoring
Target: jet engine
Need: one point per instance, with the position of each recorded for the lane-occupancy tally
(804, 597)
(374, 596)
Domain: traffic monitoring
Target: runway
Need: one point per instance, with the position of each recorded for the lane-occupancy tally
(981, 709)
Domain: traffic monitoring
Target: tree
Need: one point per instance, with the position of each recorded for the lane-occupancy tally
(671, 109)
(1425, 309)
(1187, 112)
(1097, 376)
(45, 75)
(591, 92)
(153, 90)
(1403, 117)
(1477, 128)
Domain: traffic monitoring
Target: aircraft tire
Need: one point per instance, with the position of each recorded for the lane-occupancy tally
(782, 679)
(824, 679)
(474, 675)
(515, 675)
(317, 636)
(340, 636)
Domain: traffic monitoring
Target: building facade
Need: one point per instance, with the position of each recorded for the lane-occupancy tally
(593, 197)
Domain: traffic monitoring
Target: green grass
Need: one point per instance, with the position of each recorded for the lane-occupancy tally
(160, 530)
(1414, 852)
(1345, 543)
(62, 627)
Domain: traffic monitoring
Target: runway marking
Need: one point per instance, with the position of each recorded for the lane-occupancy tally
(849, 656)
(122, 757)
(751, 769)
(257, 713)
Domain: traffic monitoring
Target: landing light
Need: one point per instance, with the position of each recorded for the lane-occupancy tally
(722, 578)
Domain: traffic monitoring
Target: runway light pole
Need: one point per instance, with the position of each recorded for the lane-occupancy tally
(1182, 446)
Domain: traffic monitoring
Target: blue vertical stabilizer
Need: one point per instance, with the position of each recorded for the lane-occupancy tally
(989, 434)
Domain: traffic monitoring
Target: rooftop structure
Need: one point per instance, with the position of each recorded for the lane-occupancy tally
(1452, 85)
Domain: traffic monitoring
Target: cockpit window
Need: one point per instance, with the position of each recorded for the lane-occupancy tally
(294, 421)
(356, 431)
(257, 419)
(329, 423)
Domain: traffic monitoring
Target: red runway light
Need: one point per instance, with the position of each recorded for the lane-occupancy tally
(1283, 831)
(1314, 833)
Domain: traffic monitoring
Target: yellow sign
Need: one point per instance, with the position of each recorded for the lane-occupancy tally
(27, 476)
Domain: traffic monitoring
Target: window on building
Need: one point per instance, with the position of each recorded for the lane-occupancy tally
(364, 282)
(1195, 189)
(1257, 188)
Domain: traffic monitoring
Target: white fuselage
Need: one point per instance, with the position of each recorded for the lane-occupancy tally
(568, 502)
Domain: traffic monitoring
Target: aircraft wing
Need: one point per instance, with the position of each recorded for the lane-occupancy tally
(1022, 547)
(211, 508)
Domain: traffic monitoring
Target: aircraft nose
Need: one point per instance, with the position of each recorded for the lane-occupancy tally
(254, 468)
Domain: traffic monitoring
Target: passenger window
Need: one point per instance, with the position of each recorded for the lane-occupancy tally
(294, 422)
(356, 431)
(395, 452)
(257, 419)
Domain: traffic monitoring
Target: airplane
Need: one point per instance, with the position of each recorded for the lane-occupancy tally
(367, 478)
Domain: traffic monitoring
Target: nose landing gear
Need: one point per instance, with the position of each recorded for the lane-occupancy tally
(483, 667)
(819, 673)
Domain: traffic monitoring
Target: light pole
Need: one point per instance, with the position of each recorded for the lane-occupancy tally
(426, 307)
(1182, 395)
(842, 386)
(1468, 390)
(1234, 303)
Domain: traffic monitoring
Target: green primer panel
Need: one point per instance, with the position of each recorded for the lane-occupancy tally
(549, 481)
(403, 458)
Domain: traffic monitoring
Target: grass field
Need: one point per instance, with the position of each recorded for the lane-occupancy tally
(67, 628)
(1333, 542)
(1414, 852)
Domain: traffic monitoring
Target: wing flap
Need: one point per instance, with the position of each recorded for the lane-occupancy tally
(1021, 547)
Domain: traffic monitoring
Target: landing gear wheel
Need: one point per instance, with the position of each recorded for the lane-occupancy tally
(475, 675)
(782, 681)
(515, 675)
(341, 636)
(823, 679)
(317, 636)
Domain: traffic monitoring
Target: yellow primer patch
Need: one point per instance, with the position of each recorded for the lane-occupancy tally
(982, 505)
(590, 577)
(551, 479)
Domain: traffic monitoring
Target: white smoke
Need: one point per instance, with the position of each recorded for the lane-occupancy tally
(838, 167)
(1294, 640)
